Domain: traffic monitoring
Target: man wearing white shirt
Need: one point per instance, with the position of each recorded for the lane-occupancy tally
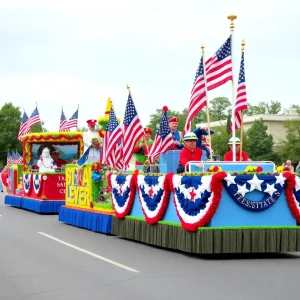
(94, 152)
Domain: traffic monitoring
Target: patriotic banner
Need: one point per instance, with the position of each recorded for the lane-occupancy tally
(270, 186)
(196, 198)
(292, 193)
(27, 184)
(123, 190)
(37, 183)
(154, 193)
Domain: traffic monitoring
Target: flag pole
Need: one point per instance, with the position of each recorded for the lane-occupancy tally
(242, 115)
(232, 17)
(77, 116)
(207, 108)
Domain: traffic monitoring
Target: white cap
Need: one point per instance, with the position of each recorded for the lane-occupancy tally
(190, 136)
(237, 141)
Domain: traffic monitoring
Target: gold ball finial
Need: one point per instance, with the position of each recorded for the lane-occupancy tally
(232, 17)
(243, 45)
(128, 87)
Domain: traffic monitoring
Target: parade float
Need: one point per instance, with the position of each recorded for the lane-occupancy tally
(36, 185)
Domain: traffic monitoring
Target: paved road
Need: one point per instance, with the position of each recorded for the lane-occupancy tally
(42, 259)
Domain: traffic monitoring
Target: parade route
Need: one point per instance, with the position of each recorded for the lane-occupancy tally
(41, 258)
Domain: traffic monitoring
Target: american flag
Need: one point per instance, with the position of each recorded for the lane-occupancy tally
(34, 118)
(241, 97)
(132, 130)
(62, 122)
(9, 159)
(163, 139)
(18, 158)
(219, 67)
(24, 129)
(72, 122)
(112, 153)
(198, 97)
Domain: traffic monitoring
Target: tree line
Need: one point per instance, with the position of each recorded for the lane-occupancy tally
(257, 142)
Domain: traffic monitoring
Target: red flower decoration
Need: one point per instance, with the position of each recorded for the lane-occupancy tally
(216, 169)
(259, 169)
(91, 204)
(269, 173)
(245, 173)
(286, 169)
(235, 173)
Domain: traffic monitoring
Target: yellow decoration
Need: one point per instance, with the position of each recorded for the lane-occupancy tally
(279, 169)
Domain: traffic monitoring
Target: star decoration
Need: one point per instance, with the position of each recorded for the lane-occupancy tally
(255, 183)
(242, 189)
(270, 189)
(151, 192)
(193, 194)
(280, 179)
(297, 187)
(230, 179)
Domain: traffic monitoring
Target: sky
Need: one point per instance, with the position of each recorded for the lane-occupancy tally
(63, 53)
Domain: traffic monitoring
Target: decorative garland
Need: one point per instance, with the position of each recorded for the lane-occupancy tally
(196, 206)
(154, 194)
(64, 138)
(123, 189)
(292, 196)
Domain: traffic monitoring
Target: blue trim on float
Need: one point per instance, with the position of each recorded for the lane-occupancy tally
(39, 206)
(42, 206)
(13, 200)
(89, 220)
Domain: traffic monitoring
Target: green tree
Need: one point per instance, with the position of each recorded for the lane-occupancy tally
(260, 143)
(290, 147)
(38, 128)
(264, 108)
(219, 140)
(10, 119)
(219, 108)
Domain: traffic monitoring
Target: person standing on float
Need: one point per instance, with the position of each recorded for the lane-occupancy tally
(142, 148)
(228, 156)
(176, 134)
(88, 136)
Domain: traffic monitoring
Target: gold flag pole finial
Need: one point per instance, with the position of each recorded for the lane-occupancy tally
(232, 17)
(128, 87)
(77, 106)
(243, 45)
(202, 47)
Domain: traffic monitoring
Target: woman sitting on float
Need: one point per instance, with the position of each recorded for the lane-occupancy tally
(190, 152)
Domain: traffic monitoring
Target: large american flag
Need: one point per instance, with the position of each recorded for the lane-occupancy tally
(112, 153)
(34, 118)
(198, 97)
(72, 122)
(219, 67)
(241, 97)
(62, 122)
(163, 139)
(132, 130)
(24, 129)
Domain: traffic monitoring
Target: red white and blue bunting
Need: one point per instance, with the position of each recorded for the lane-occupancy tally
(269, 186)
(196, 198)
(154, 194)
(27, 183)
(123, 190)
(37, 183)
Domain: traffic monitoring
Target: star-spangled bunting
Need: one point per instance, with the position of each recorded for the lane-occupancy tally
(163, 139)
(198, 97)
(132, 130)
(241, 98)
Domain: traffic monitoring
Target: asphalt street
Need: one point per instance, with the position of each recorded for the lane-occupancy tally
(43, 259)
